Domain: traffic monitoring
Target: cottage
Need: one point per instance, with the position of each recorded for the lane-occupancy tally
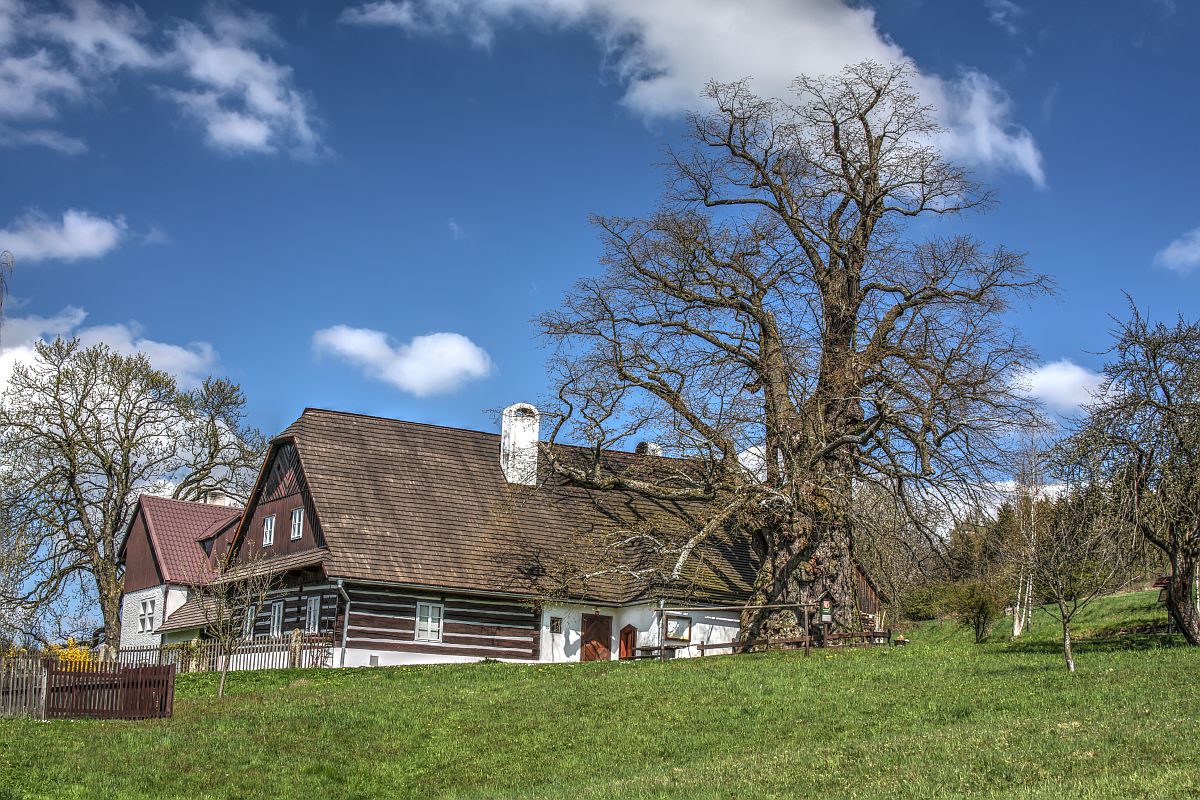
(411, 543)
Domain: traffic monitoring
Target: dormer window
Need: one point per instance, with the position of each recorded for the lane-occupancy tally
(269, 531)
(297, 523)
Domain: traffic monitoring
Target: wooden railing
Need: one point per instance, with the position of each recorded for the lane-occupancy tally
(806, 643)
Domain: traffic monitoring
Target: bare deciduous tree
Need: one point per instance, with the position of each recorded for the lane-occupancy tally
(775, 325)
(83, 432)
(1082, 551)
(1144, 431)
(230, 600)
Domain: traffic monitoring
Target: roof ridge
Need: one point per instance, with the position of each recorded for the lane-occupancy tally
(152, 496)
(380, 418)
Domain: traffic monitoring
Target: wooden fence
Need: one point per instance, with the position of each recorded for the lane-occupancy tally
(281, 652)
(22, 686)
(45, 688)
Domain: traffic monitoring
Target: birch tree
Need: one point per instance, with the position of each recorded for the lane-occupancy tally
(83, 432)
(782, 306)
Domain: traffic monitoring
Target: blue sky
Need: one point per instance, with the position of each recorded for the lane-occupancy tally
(300, 196)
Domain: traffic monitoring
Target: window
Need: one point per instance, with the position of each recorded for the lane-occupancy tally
(248, 622)
(146, 617)
(556, 624)
(312, 615)
(429, 622)
(297, 523)
(269, 531)
(277, 618)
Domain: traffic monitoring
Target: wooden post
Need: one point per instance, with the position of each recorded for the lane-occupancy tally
(807, 634)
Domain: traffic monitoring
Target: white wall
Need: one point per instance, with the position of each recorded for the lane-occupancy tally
(361, 657)
(131, 607)
(708, 627)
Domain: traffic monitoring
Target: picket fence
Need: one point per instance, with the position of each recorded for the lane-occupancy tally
(201, 655)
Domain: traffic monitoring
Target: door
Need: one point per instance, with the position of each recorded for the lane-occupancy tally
(597, 635)
(628, 642)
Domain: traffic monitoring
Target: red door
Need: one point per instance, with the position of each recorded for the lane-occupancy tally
(597, 634)
(628, 647)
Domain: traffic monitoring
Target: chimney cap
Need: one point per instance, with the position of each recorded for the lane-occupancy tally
(648, 449)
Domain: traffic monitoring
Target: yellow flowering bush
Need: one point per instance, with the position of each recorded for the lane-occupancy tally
(70, 653)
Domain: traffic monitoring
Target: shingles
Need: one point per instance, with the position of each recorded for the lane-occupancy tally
(421, 504)
(174, 527)
(189, 615)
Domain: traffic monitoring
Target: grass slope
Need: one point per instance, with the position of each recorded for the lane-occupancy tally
(940, 718)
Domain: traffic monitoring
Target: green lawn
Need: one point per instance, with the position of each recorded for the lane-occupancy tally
(940, 718)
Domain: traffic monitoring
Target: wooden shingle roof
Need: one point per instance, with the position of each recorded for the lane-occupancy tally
(424, 505)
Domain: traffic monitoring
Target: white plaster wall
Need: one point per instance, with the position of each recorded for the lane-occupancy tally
(707, 626)
(361, 657)
(176, 596)
(131, 607)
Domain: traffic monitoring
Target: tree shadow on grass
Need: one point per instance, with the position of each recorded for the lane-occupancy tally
(1102, 644)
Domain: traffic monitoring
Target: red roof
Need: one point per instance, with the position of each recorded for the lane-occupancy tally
(176, 526)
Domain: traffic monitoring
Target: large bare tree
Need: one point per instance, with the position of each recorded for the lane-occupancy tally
(1143, 429)
(83, 432)
(778, 324)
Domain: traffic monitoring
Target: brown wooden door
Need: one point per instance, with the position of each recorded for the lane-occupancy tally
(628, 646)
(597, 635)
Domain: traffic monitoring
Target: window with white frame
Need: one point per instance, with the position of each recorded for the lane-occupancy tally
(146, 617)
(269, 531)
(312, 614)
(248, 622)
(277, 618)
(429, 622)
(297, 523)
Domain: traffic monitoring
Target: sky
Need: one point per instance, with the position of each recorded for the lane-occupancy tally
(363, 206)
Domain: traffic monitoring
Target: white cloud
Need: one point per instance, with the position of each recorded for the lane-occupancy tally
(435, 363)
(457, 231)
(76, 235)
(1062, 386)
(41, 137)
(1181, 255)
(190, 364)
(1004, 14)
(246, 101)
(663, 53)
(216, 72)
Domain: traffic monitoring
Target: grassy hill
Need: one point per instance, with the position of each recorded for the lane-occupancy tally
(940, 718)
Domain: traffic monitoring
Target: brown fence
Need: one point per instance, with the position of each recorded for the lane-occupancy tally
(45, 688)
(280, 652)
(108, 691)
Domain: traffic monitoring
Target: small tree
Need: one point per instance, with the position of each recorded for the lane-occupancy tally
(230, 602)
(976, 603)
(1083, 553)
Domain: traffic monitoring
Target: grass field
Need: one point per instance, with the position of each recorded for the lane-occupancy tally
(940, 718)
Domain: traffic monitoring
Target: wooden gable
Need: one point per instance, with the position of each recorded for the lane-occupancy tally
(282, 489)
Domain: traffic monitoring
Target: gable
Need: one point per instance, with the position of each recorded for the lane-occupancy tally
(281, 490)
(141, 564)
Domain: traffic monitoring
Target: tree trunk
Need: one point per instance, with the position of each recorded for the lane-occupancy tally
(108, 594)
(799, 568)
(1182, 601)
(224, 672)
(1019, 608)
(1067, 654)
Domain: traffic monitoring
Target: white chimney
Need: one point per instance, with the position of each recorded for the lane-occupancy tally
(519, 429)
(648, 449)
